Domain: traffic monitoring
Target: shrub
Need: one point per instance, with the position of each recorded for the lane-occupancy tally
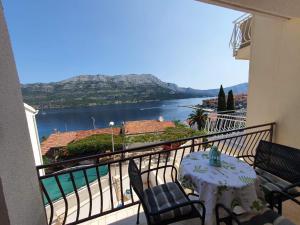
(181, 131)
(98, 143)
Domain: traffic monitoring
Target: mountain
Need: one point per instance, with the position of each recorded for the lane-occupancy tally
(88, 90)
(237, 89)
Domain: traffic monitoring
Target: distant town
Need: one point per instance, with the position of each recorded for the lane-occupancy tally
(239, 99)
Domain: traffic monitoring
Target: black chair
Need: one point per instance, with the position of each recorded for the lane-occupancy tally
(278, 169)
(166, 203)
(268, 216)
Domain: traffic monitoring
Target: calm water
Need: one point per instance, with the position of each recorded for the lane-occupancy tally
(81, 118)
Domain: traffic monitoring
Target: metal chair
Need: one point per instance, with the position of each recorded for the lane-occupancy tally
(166, 203)
(268, 216)
(278, 169)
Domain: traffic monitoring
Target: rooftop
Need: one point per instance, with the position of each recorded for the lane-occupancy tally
(146, 126)
(62, 139)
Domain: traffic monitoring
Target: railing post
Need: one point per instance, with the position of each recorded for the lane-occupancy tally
(193, 145)
(271, 132)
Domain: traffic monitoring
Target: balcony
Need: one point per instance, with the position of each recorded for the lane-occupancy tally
(241, 37)
(226, 121)
(99, 191)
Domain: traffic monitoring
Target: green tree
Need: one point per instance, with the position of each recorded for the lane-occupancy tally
(230, 101)
(98, 143)
(198, 117)
(221, 100)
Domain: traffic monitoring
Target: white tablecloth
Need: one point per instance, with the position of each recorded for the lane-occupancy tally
(232, 184)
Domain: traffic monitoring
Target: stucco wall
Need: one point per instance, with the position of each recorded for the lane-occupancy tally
(274, 77)
(33, 132)
(19, 180)
(282, 8)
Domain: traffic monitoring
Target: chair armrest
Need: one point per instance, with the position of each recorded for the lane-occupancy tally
(190, 202)
(193, 194)
(231, 215)
(242, 156)
(158, 168)
(281, 193)
(161, 167)
(247, 156)
(297, 184)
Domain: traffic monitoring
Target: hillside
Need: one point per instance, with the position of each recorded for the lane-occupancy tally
(88, 90)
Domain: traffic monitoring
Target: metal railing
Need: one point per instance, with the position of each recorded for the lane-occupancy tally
(217, 122)
(81, 193)
(241, 35)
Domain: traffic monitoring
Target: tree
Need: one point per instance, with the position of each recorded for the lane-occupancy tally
(230, 101)
(198, 117)
(221, 100)
(98, 143)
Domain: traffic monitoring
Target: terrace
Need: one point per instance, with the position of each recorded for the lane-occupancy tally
(100, 194)
(90, 195)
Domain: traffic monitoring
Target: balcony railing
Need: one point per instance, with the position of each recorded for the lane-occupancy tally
(75, 194)
(217, 122)
(241, 35)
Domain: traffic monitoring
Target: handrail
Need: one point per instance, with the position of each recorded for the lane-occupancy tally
(217, 122)
(241, 35)
(108, 189)
(147, 146)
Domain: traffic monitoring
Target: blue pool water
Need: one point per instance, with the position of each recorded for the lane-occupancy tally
(66, 183)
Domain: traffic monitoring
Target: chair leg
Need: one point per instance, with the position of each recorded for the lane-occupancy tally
(280, 207)
(138, 215)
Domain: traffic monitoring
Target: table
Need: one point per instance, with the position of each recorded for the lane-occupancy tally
(232, 184)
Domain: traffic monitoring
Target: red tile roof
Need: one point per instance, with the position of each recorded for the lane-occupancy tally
(58, 140)
(146, 126)
(86, 133)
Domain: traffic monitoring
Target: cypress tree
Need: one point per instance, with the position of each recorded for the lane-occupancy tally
(221, 100)
(230, 101)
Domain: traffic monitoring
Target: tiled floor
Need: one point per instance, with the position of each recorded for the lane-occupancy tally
(128, 217)
(292, 211)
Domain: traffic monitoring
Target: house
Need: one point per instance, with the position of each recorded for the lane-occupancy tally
(61, 139)
(30, 113)
(146, 126)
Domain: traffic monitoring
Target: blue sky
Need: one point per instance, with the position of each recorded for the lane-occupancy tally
(179, 41)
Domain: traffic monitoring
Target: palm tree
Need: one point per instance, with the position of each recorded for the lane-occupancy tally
(198, 117)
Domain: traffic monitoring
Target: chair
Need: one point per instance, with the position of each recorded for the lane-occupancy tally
(267, 216)
(166, 203)
(278, 169)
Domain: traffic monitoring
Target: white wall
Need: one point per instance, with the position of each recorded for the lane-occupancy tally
(20, 188)
(33, 132)
(282, 8)
(274, 79)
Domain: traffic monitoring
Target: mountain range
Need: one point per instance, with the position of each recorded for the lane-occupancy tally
(89, 90)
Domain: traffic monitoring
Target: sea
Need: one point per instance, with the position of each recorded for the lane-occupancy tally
(85, 118)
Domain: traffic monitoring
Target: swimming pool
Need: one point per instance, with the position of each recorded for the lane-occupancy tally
(66, 183)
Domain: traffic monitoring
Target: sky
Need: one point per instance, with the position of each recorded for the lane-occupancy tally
(180, 41)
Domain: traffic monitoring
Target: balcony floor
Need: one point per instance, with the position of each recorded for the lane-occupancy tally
(128, 217)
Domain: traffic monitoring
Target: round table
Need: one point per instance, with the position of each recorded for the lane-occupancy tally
(232, 184)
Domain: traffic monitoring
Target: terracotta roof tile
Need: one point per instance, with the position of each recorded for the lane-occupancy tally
(86, 133)
(58, 140)
(146, 126)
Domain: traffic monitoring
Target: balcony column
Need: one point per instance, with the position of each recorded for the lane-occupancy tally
(20, 198)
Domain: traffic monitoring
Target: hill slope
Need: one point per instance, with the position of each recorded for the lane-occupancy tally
(87, 90)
